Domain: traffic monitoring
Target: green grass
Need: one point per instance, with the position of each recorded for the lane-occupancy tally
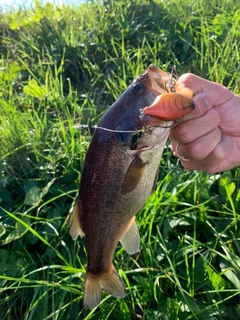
(64, 66)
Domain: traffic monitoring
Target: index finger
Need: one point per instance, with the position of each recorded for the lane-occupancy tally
(203, 102)
(220, 93)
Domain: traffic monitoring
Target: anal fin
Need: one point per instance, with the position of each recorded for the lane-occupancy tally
(131, 239)
(75, 223)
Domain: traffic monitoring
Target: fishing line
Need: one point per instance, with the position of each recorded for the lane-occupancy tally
(83, 126)
(145, 128)
(135, 131)
(165, 127)
(119, 131)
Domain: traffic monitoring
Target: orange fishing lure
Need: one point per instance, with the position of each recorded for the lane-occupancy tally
(170, 106)
(174, 103)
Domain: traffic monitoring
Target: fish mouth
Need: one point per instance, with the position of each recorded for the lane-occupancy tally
(173, 102)
(159, 79)
(164, 82)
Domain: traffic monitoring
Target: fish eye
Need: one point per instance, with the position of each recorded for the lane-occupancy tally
(138, 89)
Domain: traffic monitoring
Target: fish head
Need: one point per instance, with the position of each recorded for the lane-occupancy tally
(125, 115)
(145, 111)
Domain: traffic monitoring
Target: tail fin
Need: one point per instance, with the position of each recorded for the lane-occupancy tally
(110, 282)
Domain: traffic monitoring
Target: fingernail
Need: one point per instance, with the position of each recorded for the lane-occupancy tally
(209, 100)
(207, 103)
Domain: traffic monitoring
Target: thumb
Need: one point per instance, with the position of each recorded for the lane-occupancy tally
(197, 84)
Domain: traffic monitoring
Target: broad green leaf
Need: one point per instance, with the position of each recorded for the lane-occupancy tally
(34, 90)
(199, 309)
(29, 184)
(33, 196)
(2, 230)
(11, 72)
(33, 192)
(217, 281)
(8, 263)
(16, 233)
(226, 185)
(14, 70)
(47, 187)
(172, 223)
(5, 195)
(231, 275)
(186, 303)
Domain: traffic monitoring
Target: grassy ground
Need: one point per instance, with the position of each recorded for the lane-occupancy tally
(62, 66)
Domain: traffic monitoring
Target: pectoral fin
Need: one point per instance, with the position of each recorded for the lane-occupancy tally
(131, 239)
(133, 175)
(75, 223)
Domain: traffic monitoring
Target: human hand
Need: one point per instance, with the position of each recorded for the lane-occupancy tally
(210, 135)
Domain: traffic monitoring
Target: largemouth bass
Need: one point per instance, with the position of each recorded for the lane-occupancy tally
(119, 174)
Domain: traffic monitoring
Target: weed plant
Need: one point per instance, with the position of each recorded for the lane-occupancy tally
(62, 66)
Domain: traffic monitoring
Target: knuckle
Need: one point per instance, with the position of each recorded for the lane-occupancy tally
(211, 170)
(185, 134)
(218, 154)
(196, 152)
(187, 78)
